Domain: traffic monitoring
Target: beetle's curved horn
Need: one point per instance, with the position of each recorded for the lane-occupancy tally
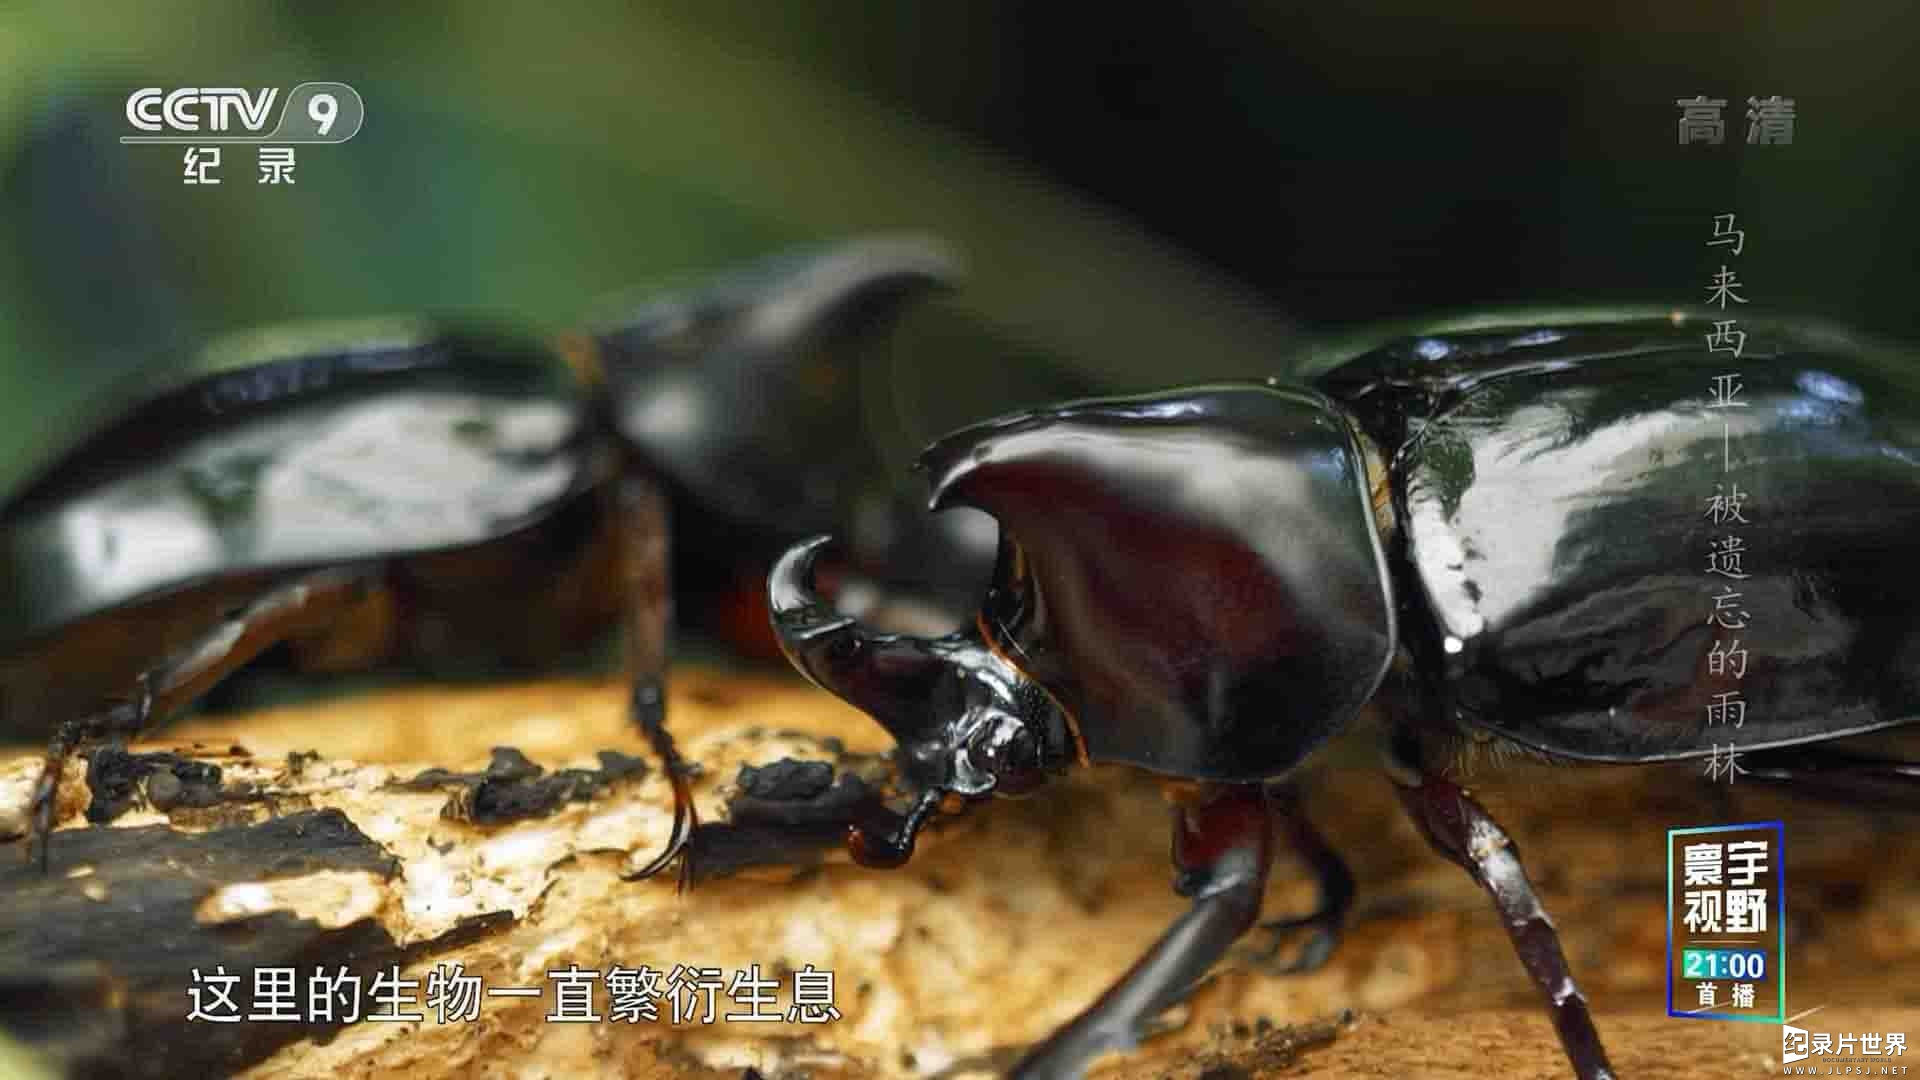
(850, 290)
(893, 677)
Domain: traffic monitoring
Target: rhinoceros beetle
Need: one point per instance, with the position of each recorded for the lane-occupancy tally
(1494, 535)
(432, 493)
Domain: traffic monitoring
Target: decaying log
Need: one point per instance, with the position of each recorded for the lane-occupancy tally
(328, 839)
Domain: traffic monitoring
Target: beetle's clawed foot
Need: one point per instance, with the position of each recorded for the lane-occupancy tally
(680, 840)
(1320, 929)
(679, 849)
(790, 815)
(1319, 936)
(647, 711)
(125, 718)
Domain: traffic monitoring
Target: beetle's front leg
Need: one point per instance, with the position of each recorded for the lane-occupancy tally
(789, 815)
(1461, 829)
(1222, 846)
(796, 832)
(123, 720)
(1330, 872)
(646, 583)
(648, 713)
(282, 614)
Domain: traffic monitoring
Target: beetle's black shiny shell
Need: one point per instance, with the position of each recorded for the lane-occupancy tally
(1198, 581)
(1552, 492)
(294, 451)
(746, 390)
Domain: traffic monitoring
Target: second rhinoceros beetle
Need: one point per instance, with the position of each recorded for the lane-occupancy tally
(432, 493)
(1496, 535)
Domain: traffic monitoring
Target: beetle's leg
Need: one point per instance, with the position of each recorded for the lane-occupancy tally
(792, 828)
(1460, 829)
(1334, 879)
(646, 581)
(784, 826)
(281, 614)
(1221, 848)
(649, 715)
(877, 836)
(123, 720)
(884, 840)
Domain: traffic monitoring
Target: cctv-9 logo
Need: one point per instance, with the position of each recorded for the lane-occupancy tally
(313, 112)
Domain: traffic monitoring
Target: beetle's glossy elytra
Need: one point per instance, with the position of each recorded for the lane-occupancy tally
(406, 442)
(1563, 546)
(1522, 531)
(421, 441)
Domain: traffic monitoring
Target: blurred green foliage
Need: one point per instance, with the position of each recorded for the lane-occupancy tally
(521, 162)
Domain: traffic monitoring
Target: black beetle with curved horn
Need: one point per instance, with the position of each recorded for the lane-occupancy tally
(1192, 583)
(1472, 532)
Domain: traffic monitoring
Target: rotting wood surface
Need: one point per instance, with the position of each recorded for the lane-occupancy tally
(1006, 923)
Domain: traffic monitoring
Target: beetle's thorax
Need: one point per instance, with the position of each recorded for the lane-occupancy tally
(1196, 576)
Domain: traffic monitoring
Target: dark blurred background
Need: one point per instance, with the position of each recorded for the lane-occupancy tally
(1149, 194)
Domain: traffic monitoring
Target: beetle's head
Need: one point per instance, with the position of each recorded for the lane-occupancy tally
(969, 723)
(1192, 582)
